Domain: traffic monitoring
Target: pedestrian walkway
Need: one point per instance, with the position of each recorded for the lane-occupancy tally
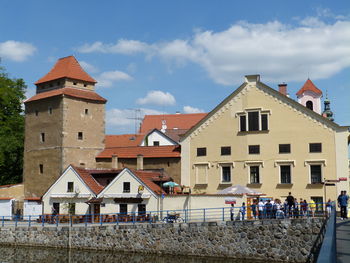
(343, 241)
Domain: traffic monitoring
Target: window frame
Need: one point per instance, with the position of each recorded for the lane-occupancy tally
(284, 152)
(41, 168)
(318, 146)
(250, 174)
(250, 147)
(80, 136)
(42, 137)
(156, 143)
(201, 148)
(70, 187)
(222, 149)
(126, 209)
(290, 173)
(222, 166)
(320, 175)
(244, 120)
(206, 167)
(125, 190)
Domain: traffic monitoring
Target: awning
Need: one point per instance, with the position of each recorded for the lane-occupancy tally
(94, 201)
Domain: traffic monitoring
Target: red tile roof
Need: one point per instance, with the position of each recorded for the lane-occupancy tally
(33, 198)
(85, 174)
(179, 121)
(70, 92)
(124, 140)
(309, 86)
(146, 151)
(67, 67)
(147, 177)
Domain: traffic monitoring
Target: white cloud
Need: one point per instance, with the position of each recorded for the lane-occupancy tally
(108, 78)
(125, 120)
(279, 52)
(123, 46)
(189, 109)
(88, 67)
(16, 51)
(157, 97)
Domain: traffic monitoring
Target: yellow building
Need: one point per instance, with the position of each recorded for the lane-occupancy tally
(260, 138)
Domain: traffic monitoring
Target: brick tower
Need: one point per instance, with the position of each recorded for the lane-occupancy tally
(64, 124)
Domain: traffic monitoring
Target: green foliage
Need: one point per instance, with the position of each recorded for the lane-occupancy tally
(11, 129)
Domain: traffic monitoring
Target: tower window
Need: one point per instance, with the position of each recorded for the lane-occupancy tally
(42, 137)
(86, 111)
(310, 105)
(50, 110)
(36, 112)
(41, 168)
(80, 135)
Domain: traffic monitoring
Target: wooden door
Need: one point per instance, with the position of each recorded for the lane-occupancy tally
(96, 213)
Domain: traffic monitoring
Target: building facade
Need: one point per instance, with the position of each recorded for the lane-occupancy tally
(260, 138)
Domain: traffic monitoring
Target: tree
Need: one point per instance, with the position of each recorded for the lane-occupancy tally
(11, 128)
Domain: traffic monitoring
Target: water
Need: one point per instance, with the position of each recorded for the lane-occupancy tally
(49, 255)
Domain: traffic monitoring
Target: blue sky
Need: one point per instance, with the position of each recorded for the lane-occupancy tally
(187, 56)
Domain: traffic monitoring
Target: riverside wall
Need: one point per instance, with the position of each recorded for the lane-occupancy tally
(276, 240)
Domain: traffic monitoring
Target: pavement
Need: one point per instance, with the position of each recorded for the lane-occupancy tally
(343, 241)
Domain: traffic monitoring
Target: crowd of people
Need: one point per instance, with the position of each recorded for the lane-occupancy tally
(291, 207)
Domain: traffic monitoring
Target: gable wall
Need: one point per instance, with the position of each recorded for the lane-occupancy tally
(286, 125)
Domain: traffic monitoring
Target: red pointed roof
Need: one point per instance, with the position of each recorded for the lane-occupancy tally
(67, 67)
(173, 121)
(88, 179)
(70, 92)
(309, 86)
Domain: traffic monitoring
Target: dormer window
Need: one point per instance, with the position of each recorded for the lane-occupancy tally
(253, 120)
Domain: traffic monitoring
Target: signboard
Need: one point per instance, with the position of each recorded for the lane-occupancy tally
(230, 200)
(343, 179)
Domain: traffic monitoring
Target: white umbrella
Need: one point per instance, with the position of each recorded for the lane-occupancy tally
(239, 190)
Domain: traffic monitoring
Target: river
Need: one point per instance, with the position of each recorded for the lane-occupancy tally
(10, 254)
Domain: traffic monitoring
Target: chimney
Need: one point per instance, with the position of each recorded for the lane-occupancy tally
(139, 162)
(114, 161)
(282, 88)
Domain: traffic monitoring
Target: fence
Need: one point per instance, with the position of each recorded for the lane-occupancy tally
(165, 216)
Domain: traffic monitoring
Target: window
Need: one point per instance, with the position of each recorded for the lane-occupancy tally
(70, 187)
(56, 207)
(86, 111)
(225, 150)
(285, 172)
(36, 112)
(74, 83)
(309, 105)
(226, 174)
(254, 174)
(253, 121)
(316, 174)
(41, 168)
(201, 151)
(71, 208)
(50, 110)
(257, 121)
(284, 148)
(42, 137)
(58, 83)
(201, 173)
(85, 85)
(155, 143)
(80, 135)
(141, 209)
(123, 208)
(254, 149)
(126, 187)
(315, 147)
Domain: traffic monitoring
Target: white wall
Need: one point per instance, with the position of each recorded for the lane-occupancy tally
(33, 209)
(6, 208)
(157, 136)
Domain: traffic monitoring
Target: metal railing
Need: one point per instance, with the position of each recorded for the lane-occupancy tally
(165, 216)
(328, 251)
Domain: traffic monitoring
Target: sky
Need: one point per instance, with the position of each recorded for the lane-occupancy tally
(163, 57)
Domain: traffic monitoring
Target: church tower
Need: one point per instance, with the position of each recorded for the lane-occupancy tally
(327, 113)
(64, 124)
(310, 96)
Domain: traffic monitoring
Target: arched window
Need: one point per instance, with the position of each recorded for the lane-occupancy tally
(309, 105)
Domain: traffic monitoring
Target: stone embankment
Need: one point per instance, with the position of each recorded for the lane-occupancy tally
(275, 240)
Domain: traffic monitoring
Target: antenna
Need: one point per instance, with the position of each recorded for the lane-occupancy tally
(137, 118)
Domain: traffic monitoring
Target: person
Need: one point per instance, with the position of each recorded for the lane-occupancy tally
(329, 207)
(296, 208)
(303, 207)
(290, 203)
(253, 207)
(53, 215)
(232, 212)
(261, 208)
(242, 210)
(343, 203)
(274, 209)
(268, 208)
(312, 206)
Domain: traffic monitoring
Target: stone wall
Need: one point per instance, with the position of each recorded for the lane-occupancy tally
(276, 240)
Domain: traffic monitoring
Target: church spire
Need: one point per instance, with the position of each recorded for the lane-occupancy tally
(327, 113)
